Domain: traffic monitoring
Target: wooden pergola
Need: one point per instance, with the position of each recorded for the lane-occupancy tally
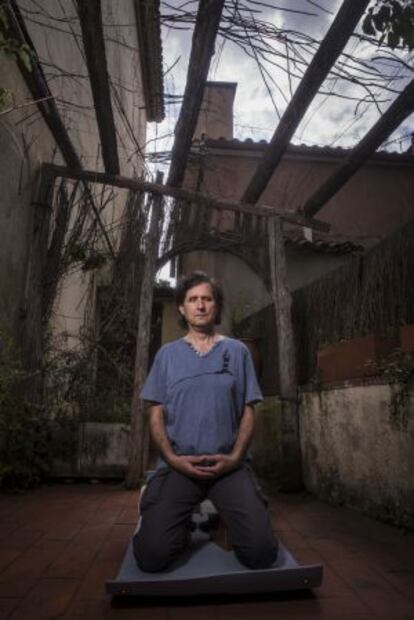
(265, 221)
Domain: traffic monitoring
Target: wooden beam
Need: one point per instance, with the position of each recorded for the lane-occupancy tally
(36, 83)
(90, 17)
(291, 472)
(137, 436)
(150, 53)
(332, 45)
(202, 50)
(187, 195)
(398, 111)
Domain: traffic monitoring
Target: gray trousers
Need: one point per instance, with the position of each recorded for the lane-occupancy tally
(166, 508)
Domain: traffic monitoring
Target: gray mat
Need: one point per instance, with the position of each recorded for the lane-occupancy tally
(206, 568)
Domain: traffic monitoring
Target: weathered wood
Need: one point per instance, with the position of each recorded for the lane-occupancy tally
(36, 82)
(149, 41)
(90, 16)
(332, 45)
(291, 473)
(398, 111)
(202, 50)
(184, 194)
(32, 325)
(135, 466)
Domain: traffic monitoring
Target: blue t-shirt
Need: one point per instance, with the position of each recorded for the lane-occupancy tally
(203, 396)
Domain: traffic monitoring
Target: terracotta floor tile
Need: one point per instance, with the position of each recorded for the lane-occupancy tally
(68, 539)
(73, 562)
(122, 531)
(6, 607)
(20, 576)
(7, 556)
(48, 599)
(113, 549)
(21, 539)
(93, 584)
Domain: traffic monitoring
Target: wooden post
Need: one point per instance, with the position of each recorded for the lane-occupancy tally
(33, 329)
(291, 472)
(137, 438)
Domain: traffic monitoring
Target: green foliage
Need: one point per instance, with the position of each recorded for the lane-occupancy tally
(392, 21)
(5, 98)
(23, 430)
(89, 258)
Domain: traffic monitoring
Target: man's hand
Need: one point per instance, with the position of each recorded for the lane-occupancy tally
(192, 466)
(218, 464)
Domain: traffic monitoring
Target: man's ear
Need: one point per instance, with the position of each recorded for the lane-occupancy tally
(181, 310)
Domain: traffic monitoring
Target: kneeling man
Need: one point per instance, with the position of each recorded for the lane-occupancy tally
(202, 389)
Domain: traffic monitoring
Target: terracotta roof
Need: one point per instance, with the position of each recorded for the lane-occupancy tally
(149, 39)
(304, 150)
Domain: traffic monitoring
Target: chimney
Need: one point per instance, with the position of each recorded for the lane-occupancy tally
(216, 115)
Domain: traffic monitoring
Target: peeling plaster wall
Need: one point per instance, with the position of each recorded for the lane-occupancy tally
(356, 453)
(25, 140)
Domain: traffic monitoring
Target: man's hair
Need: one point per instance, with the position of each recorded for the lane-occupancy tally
(194, 279)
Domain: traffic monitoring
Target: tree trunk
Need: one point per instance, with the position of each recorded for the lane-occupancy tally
(137, 439)
(291, 472)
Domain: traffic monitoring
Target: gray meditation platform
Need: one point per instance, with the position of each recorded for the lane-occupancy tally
(207, 568)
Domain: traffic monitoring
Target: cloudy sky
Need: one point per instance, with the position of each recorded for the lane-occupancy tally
(330, 120)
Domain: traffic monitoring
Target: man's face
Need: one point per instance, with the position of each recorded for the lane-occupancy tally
(199, 308)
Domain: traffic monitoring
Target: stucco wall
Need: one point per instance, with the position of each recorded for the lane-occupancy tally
(25, 141)
(357, 453)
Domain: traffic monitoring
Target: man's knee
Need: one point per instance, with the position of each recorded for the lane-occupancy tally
(156, 547)
(151, 553)
(258, 551)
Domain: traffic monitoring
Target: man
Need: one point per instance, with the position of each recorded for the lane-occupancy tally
(202, 389)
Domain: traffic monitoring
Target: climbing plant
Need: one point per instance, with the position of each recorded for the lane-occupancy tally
(24, 453)
(12, 48)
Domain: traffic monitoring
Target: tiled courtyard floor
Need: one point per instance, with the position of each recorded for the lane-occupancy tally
(59, 543)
